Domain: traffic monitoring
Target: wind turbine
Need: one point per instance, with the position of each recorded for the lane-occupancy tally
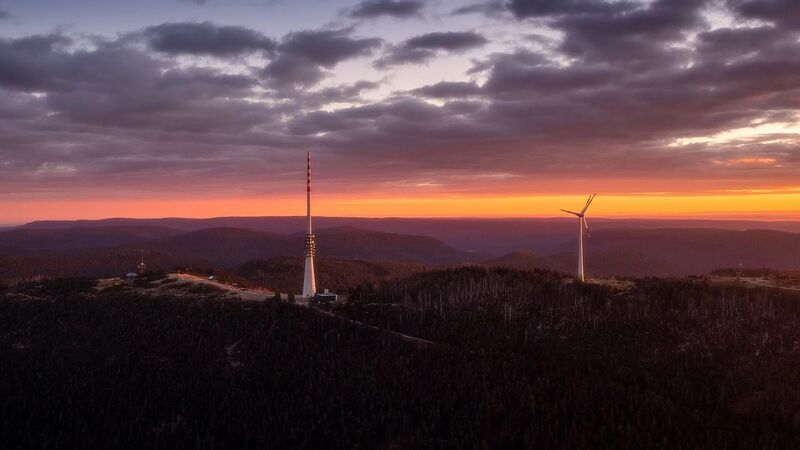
(581, 227)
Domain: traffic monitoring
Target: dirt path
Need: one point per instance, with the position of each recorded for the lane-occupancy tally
(756, 282)
(243, 293)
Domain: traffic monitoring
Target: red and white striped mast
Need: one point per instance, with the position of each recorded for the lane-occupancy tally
(309, 281)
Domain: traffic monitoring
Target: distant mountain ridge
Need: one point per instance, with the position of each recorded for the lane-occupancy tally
(232, 246)
(495, 237)
(82, 250)
(82, 238)
(627, 251)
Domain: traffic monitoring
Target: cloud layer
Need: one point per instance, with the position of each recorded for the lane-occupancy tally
(425, 47)
(205, 39)
(623, 92)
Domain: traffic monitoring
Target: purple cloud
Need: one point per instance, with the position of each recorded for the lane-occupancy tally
(403, 9)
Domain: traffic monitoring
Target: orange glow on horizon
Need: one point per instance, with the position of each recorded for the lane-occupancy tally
(765, 206)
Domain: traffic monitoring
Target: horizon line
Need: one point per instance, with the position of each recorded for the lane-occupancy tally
(714, 217)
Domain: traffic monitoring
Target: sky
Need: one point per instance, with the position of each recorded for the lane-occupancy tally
(418, 108)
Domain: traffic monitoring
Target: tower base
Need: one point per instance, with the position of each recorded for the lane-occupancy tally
(309, 281)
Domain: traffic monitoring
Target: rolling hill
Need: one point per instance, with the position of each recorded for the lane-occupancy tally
(494, 237)
(685, 251)
(59, 239)
(667, 252)
(114, 250)
(610, 251)
(524, 261)
(229, 247)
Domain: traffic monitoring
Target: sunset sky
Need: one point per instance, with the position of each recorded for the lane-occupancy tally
(673, 108)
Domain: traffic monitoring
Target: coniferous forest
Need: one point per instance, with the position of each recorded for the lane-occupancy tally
(505, 359)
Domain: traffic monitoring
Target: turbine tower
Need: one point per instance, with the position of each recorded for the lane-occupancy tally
(581, 227)
(309, 281)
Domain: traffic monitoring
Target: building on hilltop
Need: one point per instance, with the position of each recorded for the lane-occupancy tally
(142, 267)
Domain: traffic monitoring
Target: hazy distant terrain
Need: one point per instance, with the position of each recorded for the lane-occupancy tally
(616, 247)
(57, 239)
(668, 252)
(490, 236)
(115, 250)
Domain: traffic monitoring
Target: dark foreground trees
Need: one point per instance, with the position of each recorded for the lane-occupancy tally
(521, 360)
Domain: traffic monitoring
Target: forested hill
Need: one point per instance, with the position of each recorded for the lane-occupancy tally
(48, 239)
(285, 274)
(519, 360)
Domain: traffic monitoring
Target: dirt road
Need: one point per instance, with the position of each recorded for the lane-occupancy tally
(757, 282)
(243, 293)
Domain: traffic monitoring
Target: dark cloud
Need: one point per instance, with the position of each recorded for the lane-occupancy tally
(289, 71)
(785, 13)
(422, 48)
(369, 9)
(661, 19)
(515, 57)
(327, 47)
(728, 43)
(491, 8)
(404, 55)
(31, 62)
(302, 56)
(451, 41)
(637, 36)
(508, 76)
(448, 89)
(543, 8)
(206, 38)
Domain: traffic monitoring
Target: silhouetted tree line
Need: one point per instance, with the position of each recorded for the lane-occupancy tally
(521, 360)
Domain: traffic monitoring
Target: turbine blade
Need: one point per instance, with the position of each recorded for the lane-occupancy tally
(586, 226)
(572, 212)
(588, 202)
